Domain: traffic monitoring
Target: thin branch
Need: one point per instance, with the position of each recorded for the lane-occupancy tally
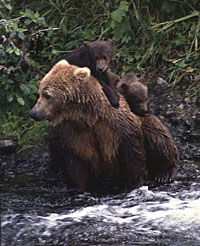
(23, 52)
(45, 30)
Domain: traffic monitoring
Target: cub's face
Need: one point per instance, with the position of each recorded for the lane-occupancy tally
(57, 90)
(101, 53)
(136, 95)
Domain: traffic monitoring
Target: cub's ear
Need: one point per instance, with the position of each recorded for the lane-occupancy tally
(87, 44)
(142, 80)
(124, 86)
(112, 42)
(82, 73)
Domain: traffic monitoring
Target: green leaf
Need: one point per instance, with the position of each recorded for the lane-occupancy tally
(15, 26)
(89, 34)
(29, 12)
(28, 21)
(119, 13)
(10, 81)
(10, 51)
(8, 6)
(20, 100)
(41, 21)
(9, 98)
(21, 35)
(25, 88)
(54, 51)
(137, 56)
(37, 15)
(17, 52)
(123, 29)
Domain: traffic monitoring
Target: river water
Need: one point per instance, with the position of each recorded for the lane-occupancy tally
(36, 212)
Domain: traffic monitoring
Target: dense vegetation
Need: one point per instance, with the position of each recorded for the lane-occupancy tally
(154, 38)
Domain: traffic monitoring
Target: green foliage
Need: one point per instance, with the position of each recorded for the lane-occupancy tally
(18, 85)
(20, 71)
(154, 38)
(118, 14)
(26, 133)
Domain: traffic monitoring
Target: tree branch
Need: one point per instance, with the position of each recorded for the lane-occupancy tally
(23, 52)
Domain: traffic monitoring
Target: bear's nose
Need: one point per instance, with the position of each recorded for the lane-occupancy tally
(32, 113)
(100, 68)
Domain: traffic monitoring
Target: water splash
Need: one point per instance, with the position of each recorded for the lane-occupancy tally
(143, 216)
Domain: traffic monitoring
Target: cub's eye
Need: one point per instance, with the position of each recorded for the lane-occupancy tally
(46, 96)
(105, 58)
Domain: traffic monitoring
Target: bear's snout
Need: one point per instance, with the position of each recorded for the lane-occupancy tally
(100, 68)
(37, 115)
(101, 65)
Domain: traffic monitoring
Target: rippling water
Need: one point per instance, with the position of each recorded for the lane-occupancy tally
(35, 214)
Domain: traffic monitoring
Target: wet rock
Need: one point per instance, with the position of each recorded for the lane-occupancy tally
(161, 83)
(180, 116)
(7, 146)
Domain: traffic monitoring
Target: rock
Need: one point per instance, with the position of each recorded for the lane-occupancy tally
(7, 146)
(161, 83)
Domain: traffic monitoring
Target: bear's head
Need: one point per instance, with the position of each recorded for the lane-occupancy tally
(64, 91)
(135, 92)
(101, 53)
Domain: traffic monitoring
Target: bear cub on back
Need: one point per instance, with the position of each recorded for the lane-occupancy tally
(94, 144)
(161, 151)
(135, 92)
(96, 56)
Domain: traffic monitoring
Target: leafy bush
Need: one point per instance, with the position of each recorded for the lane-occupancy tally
(154, 38)
(20, 71)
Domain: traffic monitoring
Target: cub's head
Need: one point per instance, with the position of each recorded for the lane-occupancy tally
(63, 87)
(101, 53)
(135, 92)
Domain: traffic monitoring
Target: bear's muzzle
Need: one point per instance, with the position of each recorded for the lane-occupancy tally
(37, 115)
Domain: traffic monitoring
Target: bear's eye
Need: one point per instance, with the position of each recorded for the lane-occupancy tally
(105, 58)
(47, 96)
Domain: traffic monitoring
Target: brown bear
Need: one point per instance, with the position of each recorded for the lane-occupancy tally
(96, 56)
(161, 151)
(135, 92)
(94, 143)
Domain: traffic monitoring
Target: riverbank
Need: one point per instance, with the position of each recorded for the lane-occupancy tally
(178, 109)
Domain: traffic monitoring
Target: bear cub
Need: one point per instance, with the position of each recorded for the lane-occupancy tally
(96, 56)
(135, 92)
(161, 152)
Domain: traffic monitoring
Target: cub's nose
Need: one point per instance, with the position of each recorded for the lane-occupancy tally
(100, 68)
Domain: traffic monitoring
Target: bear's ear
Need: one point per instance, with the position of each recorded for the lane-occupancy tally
(124, 86)
(63, 62)
(142, 80)
(82, 73)
(87, 44)
(112, 42)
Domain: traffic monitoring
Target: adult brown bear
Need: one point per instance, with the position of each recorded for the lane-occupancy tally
(94, 143)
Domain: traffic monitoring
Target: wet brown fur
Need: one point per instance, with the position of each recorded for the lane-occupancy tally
(90, 139)
(161, 151)
(135, 92)
(96, 56)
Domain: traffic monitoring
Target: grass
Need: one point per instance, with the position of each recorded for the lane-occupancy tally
(25, 132)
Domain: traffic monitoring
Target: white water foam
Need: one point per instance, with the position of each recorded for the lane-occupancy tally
(157, 211)
(143, 212)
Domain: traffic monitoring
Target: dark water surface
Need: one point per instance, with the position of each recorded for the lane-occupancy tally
(36, 212)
